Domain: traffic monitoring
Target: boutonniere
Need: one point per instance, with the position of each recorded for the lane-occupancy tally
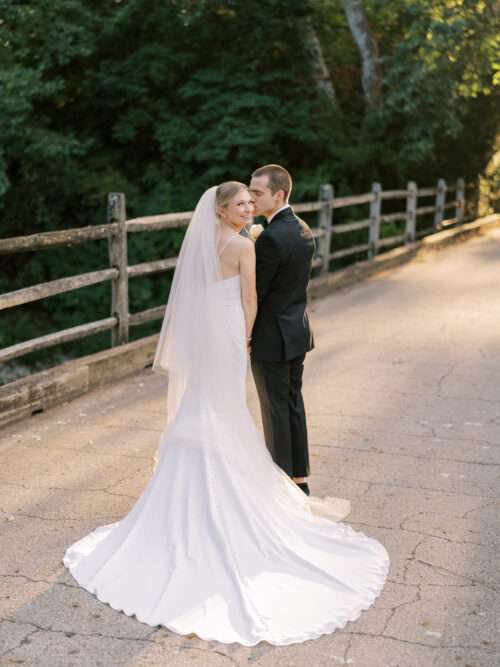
(255, 231)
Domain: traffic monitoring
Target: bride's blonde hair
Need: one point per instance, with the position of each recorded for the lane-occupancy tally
(226, 191)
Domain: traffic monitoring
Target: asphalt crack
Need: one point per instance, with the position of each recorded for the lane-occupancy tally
(395, 609)
(410, 642)
(411, 456)
(211, 651)
(39, 581)
(72, 633)
(446, 375)
(24, 640)
(445, 571)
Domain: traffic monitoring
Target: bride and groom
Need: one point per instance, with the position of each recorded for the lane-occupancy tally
(225, 540)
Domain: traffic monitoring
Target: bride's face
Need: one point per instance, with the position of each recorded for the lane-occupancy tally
(239, 210)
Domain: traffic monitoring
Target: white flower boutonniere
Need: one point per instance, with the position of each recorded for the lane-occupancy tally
(255, 231)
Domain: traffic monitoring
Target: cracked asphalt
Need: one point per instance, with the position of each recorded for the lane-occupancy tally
(403, 401)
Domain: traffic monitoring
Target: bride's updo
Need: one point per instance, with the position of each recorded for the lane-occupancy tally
(226, 191)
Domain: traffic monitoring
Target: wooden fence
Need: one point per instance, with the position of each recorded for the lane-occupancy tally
(117, 228)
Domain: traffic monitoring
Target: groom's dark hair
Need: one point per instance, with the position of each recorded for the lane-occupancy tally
(279, 178)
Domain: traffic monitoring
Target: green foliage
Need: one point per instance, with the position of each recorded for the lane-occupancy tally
(437, 79)
(439, 63)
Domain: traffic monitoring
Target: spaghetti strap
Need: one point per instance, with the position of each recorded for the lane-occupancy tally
(226, 244)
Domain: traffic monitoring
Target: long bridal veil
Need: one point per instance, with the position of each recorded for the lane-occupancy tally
(194, 339)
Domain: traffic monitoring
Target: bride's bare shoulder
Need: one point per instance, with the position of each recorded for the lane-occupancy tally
(245, 245)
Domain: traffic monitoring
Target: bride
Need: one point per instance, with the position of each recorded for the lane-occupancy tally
(222, 543)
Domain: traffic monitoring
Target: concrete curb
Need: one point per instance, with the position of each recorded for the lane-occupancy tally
(40, 391)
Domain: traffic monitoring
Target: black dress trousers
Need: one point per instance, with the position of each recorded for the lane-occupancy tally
(279, 386)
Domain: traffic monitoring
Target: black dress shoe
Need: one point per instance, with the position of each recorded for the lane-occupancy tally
(304, 487)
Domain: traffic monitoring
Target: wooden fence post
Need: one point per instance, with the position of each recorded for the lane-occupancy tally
(374, 219)
(460, 200)
(118, 258)
(440, 199)
(411, 207)
(325, 219)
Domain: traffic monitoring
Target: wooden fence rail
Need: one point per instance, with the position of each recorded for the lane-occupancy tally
(119, 271)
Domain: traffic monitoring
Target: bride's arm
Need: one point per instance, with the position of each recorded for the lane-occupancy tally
(248, 289)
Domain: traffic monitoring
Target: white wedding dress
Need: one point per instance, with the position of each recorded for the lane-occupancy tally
(222, 543)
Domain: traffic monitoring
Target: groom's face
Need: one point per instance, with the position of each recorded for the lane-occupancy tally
(265, 201)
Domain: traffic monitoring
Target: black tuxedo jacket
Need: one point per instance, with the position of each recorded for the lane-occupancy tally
(284, 253)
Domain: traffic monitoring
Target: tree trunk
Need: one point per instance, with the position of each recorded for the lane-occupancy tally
(320, 72)
(367, 47)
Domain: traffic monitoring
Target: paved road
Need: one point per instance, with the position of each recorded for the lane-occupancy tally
(403, 398)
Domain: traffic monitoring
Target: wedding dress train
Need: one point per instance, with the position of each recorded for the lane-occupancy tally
(221, 542)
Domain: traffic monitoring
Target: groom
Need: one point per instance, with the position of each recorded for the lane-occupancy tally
(281, 335)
